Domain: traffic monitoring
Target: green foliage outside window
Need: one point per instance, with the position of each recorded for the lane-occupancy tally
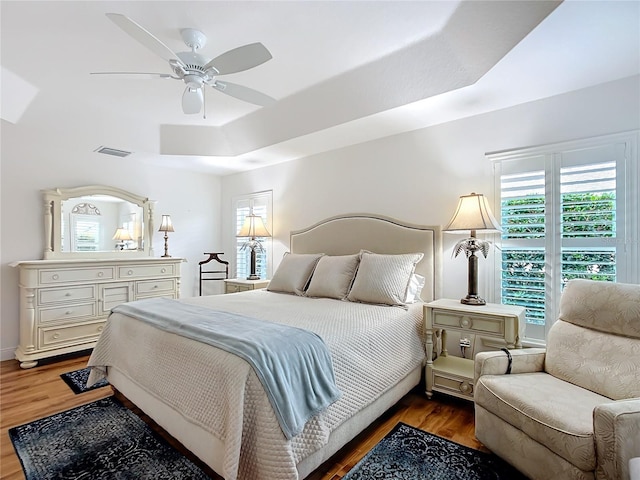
(584, 215)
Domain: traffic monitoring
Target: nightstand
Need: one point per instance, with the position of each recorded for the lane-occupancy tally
(235, 285)
(498, 325)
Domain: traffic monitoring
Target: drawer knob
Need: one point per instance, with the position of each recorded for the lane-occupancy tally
(465, 388)
(55, 276)
(164, 270)
(68, 294)
(155, 286)
(68, 312)
(56, 336)
(130, 272)
(100, 274)
(465, 322)
(100, 328)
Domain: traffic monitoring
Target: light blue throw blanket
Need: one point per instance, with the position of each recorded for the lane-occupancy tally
(293, 364)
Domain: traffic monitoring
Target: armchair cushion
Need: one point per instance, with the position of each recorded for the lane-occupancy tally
(554, 413)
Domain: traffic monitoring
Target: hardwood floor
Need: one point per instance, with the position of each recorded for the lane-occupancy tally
(26, 395)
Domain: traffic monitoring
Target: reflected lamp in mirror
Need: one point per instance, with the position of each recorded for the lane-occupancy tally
(472, 215)
(254, 230)
(123, 237)
(166, 226)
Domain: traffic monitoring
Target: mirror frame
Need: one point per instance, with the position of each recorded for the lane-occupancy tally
(53, 215)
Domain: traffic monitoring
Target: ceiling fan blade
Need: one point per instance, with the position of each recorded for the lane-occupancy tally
(192, 100)
(143, 36)
(138, 75)
(240, 59)
(244, 93)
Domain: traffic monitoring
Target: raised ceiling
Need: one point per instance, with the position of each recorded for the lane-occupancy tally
(343, 72)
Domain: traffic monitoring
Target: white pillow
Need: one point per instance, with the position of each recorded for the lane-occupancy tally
(383, 279)
(416, 284)
(333, 276)
(294, 272)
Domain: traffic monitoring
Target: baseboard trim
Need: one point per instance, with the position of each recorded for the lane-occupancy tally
(8, 353)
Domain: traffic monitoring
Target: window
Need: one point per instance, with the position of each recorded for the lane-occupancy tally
(259, 204)
(567, 211)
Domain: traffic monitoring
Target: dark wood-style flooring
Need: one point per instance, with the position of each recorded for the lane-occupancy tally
(26, 395)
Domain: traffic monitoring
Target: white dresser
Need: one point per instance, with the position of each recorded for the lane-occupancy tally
(65, 303)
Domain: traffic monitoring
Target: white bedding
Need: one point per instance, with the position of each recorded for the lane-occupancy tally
(372, 348)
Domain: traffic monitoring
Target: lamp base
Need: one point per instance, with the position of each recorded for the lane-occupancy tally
(253, 277)
(473, 300)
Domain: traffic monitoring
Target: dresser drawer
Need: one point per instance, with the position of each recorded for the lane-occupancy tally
(68, 294)
(69, 335)
(481, 324)
(67, 275)
(68, 312)
(152, 287)
(141, 271)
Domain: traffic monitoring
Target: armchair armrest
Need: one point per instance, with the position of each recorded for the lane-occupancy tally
(616, 429)
(526, 360)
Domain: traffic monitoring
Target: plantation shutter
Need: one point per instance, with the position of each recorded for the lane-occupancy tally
(565, 213)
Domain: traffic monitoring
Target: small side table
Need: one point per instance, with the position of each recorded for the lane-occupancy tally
(454, 375)
(235, 285)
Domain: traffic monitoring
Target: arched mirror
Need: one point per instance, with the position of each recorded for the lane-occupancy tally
(96, 222)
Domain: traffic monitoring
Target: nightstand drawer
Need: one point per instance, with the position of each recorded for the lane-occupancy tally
(237, 285)
(453, 375)
(482, 324)
(235, 288)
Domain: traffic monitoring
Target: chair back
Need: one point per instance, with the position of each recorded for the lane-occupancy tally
(595, 343)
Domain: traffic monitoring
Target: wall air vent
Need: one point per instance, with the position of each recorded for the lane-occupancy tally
(112, 151)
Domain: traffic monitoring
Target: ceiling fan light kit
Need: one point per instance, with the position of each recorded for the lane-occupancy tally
(196, 70)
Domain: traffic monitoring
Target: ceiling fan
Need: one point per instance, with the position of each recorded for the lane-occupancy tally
(197, 70)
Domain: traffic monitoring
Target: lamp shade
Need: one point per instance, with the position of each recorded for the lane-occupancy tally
(122, 234)
(253, 227)
(473, 213)
(166, 225)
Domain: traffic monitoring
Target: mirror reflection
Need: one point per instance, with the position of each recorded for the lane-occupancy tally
(100, 223)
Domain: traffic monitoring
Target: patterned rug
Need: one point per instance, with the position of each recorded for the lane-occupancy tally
(407, 453)
(100, 440)
(77, 380)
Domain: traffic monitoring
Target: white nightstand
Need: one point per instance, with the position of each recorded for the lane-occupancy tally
(235, 285)
(502, 324)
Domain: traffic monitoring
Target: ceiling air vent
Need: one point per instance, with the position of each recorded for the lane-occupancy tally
(112, 151)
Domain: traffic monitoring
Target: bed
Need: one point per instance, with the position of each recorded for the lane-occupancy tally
(213, 402)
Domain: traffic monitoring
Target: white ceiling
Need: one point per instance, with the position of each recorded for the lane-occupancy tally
(343, 72)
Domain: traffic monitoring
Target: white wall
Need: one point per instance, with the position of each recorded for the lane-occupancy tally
(418, 176)
(30, 164)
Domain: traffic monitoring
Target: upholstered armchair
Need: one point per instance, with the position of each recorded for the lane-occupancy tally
(572, 410)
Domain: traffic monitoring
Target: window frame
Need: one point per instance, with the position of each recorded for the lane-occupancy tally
(552, 158)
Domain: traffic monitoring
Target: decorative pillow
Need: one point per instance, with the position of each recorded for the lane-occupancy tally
(333, 276)
(294, 272)
(416, 284)
(383, 279)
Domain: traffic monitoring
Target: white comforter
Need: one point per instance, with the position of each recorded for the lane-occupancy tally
(372, 348)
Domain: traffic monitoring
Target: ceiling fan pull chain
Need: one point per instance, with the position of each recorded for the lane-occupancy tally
(204, 104)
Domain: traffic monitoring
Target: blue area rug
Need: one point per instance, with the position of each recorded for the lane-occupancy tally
(100, 440)
(77, 380)
(407, 453)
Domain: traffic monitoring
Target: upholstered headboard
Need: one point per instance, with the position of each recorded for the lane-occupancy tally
(350, 233)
